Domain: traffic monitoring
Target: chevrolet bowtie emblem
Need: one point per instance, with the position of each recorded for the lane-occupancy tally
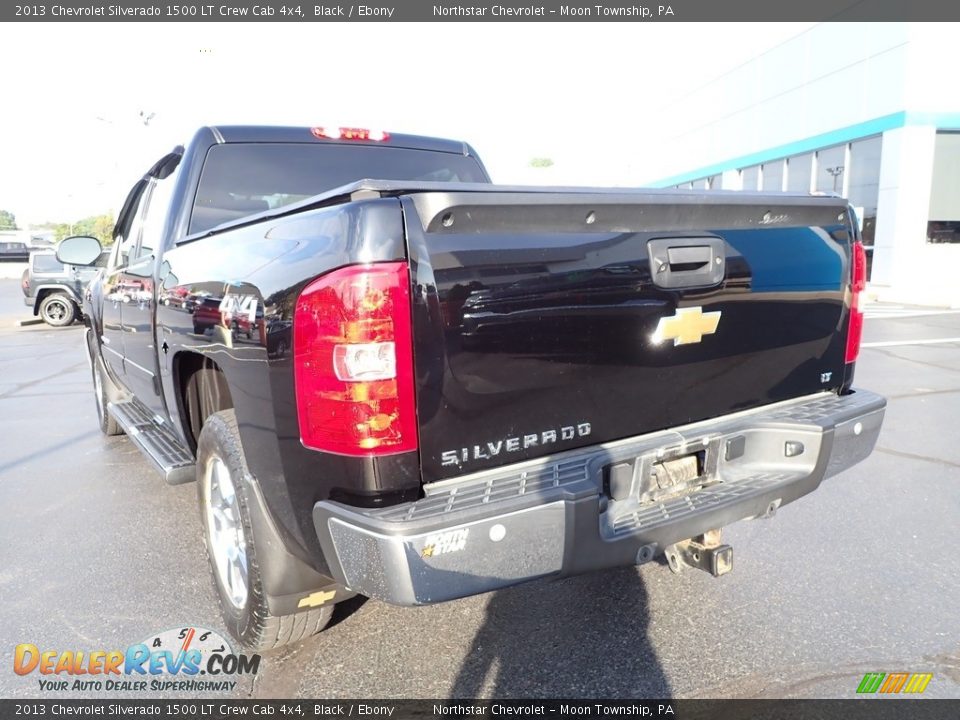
(688, 325)
(316, 599)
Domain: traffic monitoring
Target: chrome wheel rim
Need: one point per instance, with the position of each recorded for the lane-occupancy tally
(55, 310)
(225, 531)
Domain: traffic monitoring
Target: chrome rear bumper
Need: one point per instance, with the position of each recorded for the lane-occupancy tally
(595, 507)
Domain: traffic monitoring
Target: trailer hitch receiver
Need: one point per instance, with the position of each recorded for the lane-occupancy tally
(704, 552)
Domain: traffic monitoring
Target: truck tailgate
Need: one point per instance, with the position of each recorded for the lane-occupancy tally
(550, 320)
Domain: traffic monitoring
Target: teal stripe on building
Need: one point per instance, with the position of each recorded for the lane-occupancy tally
(945, 121)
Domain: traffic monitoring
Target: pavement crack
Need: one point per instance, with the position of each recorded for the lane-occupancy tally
(916, 362)
(807, 681)
(41, 452)
(253, 687)
(949, 664)
(45, 378)
(923, 393)
(914, 456)
(76, 630)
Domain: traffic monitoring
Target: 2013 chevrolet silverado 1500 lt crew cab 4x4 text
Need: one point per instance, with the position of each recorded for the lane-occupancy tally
(423, 386)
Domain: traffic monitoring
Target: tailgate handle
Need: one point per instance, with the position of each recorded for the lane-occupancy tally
(687, 262)
(688, 259)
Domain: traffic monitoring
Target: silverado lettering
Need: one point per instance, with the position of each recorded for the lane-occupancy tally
(514, 444)
(406, 364)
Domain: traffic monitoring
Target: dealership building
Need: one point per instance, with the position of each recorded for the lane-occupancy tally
(865, 110)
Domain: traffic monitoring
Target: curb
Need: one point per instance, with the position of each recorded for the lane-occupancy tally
(31, 321)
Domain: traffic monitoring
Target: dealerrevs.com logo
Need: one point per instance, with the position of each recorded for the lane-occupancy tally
(189, 659)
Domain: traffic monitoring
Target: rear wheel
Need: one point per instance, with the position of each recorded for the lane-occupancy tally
(231, 546)
(58, 310)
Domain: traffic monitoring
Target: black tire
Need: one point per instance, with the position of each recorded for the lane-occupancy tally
(58, 310)
(245, 614)
(108, 426)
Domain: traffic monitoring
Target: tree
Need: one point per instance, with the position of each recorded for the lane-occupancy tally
(541, 162)
(8, 220)
(99, 226)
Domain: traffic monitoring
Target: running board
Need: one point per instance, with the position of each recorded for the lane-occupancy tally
(155, 440)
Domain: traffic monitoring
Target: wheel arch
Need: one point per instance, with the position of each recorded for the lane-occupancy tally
(289, 577)
(42, 291)
(201, 390)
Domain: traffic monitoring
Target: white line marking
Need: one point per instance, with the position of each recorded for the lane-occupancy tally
(895, 343)
(898, 314)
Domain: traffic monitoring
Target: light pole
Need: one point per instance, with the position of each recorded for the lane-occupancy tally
(835, 173)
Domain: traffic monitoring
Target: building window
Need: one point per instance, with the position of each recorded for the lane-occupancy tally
(773, 176)
(943, 231)
(799, 173)
(750, 178)
(863, 182)
(830, 169)
(943, 224)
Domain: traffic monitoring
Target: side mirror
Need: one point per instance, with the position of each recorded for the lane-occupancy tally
(79, 250)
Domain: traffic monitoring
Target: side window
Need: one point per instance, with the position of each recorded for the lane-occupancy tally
(46, 263)
(139, 225)
(133, 224)
(126, 238)
(157, 201)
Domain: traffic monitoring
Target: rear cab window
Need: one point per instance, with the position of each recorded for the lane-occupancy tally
(240, 179)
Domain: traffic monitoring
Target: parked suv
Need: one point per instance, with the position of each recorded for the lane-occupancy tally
(53, 289)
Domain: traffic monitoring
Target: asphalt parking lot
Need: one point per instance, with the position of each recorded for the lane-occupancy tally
(862, 576)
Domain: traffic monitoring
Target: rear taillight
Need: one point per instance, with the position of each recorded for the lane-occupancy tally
(353, 361)
(858, 282)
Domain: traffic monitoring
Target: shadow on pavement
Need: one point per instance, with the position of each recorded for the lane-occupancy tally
(579, 637)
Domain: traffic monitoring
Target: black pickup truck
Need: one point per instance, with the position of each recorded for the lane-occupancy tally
(424, 386)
